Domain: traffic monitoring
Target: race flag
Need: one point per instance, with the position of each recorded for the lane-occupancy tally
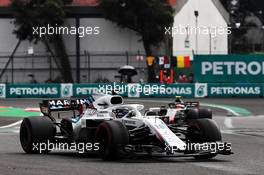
(167, 64)
(161, 60)
(180, 61)
(166, 60)
(187, 63)
(150, 60)
(183, 62)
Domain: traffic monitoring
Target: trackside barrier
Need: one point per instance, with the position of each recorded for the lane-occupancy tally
(235, 90)
(229, 68)
(135, 90)
(197, 90)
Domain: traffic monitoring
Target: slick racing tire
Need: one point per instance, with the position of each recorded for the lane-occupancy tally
(195, 113)
(111, 136)
(35, 131)
(202, 131)
(205, 113)
(192, 113)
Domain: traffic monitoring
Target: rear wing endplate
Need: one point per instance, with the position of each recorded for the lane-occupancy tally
(192, 104)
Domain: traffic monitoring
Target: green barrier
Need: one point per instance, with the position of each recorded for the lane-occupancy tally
(32, 91)
(235, 90)
(229, 68)
(200, 90)
(82, 90)
(170, 90)
(135, 90)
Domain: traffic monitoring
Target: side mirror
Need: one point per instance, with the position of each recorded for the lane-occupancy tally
(44, 109)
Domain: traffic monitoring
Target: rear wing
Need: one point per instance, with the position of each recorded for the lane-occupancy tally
(48, 106)
(192, 104)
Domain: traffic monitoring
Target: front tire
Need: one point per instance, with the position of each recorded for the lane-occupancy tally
(111, 136)
(202, 131)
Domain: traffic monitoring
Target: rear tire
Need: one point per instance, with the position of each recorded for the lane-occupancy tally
(111, 136)
(192, 113)
(34, 131)
(205, 113)
(202, 131)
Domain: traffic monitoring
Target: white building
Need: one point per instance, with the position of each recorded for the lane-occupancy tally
(211, 15)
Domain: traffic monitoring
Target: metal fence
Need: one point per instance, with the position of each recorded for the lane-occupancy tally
(95, 67)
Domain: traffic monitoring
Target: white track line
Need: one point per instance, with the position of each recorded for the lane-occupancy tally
(228, 122)
(221, 107)
(207, 105)
(11, 125)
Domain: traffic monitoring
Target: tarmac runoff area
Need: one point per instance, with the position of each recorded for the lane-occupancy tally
(240, 120)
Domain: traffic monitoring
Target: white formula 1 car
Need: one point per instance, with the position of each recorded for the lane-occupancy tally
(122, 129)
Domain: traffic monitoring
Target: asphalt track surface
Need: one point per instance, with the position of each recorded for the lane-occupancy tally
(245, 133)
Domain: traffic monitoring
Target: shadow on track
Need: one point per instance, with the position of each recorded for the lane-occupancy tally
(93, 157)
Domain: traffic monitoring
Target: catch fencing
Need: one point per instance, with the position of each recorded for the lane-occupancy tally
(95, 67)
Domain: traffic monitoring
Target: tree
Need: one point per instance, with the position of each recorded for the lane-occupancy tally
(33, 14)
(148, 18)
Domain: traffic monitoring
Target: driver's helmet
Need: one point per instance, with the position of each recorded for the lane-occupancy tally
(179, 103)
(121, 112)
(178, 99)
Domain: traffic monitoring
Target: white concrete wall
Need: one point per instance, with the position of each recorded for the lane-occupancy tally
(8, 40)
(111, 39)
(208, 16)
